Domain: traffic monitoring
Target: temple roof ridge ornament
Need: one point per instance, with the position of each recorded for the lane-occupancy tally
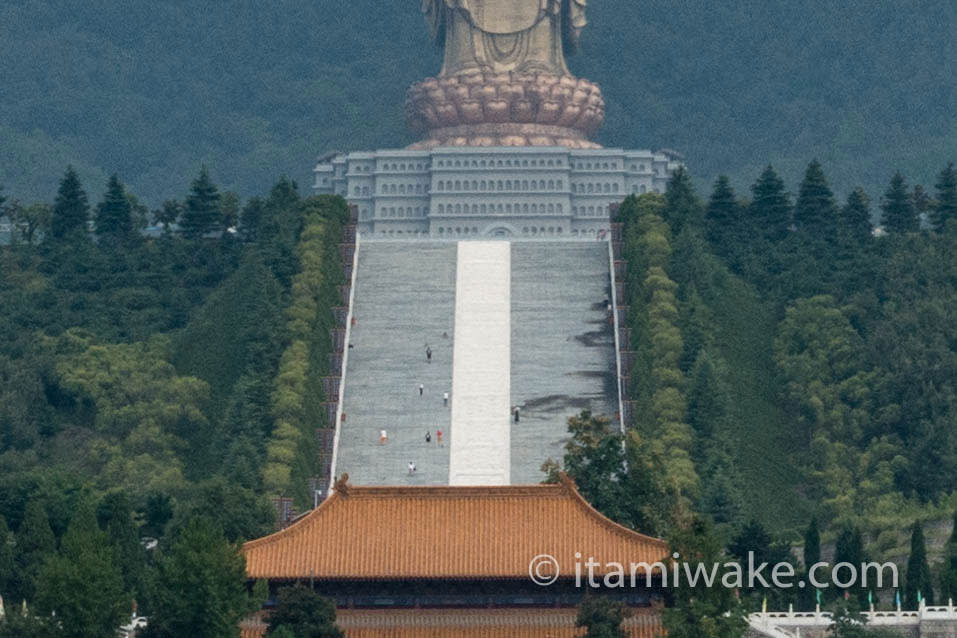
(504, 81)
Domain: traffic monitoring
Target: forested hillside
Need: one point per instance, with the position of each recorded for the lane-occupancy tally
(793, 376)
(792, 379)
(158, 389)
(152, 89)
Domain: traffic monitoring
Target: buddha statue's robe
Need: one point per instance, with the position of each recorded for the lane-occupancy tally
(505, 35)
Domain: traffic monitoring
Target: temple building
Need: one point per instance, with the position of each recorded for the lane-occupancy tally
(455, 561)
(469, 192)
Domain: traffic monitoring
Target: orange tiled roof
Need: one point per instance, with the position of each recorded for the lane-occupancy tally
(445, 532)
(470, 623)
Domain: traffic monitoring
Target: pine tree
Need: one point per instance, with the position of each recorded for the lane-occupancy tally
(899, 217)
(917, 579)
(305, 613)
(71, 211)
(921, 202)
(113, 214)
(681, 202)
(229, 205)
(721, 496)
(708, 399)
(723, 219)
(812, 555)
(251, 219)
(945, 209)
(601, 617)
(770, 209)
(948, 575)
(855, 218)
(81, 584)
(35, 541)
(116, 516)
(201, 586)
(849, 549)
(202, 214)
(169, 213)
(7, 562)
(752, 538)
(702, 611)
(815, 212)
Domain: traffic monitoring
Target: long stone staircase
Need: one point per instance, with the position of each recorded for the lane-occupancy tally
(560, 345)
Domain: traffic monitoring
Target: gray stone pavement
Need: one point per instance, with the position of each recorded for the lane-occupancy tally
(562, 356)
(404, 299)
(563, 347)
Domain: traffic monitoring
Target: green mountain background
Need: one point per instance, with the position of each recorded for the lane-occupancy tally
(255, 89)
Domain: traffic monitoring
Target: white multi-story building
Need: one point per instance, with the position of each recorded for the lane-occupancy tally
(456, 192)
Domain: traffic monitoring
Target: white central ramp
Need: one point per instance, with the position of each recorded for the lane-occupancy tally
(480, 451)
